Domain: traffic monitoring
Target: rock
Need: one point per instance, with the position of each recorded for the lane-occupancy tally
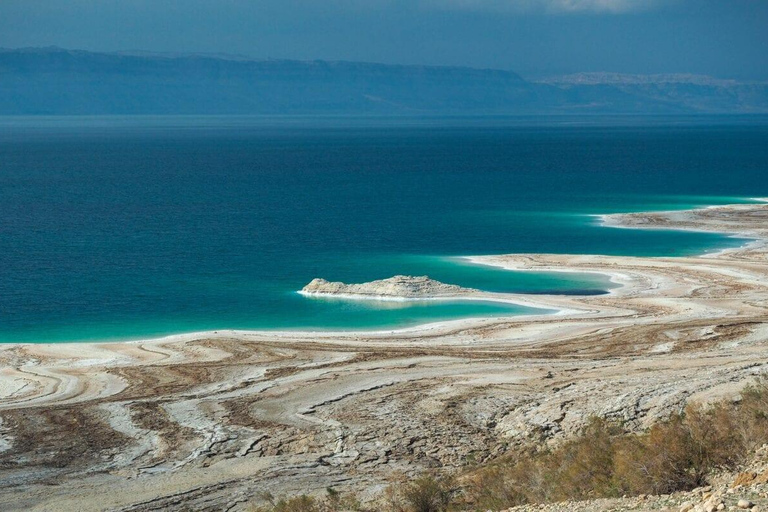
(404, 287)
(686, 507)
(745, 504)
(746, 478)
(711, 507)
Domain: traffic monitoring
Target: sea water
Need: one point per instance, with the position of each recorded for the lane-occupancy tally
(122, 228)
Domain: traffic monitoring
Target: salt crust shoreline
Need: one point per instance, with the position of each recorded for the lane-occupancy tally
(214, 420)
(527, 300)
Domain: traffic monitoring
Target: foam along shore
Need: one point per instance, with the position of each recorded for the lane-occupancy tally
(217, 419)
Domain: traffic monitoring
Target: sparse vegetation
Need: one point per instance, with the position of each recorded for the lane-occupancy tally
(425, 494)
(604, 461)
(333, 501)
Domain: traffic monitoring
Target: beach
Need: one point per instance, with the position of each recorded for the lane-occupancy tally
(213, 420)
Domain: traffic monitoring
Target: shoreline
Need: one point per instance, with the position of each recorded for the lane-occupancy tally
(202, 418)
(511, 262)
(520, 299)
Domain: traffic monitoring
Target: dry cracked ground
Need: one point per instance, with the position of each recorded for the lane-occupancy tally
(213, 421)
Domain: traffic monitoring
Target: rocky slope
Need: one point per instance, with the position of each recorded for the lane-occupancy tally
(746, 490)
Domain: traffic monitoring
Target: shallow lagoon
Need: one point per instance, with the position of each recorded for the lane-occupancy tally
(123, 228)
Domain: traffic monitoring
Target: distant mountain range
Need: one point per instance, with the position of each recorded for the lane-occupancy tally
(54, 81)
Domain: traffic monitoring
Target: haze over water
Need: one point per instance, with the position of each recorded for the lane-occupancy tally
(132, 227)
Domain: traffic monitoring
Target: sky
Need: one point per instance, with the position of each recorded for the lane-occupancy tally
(722, 38)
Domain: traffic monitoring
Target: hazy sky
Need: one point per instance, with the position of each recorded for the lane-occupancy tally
(724, 38)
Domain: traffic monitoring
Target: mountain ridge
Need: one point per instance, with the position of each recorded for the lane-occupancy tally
(57, 81)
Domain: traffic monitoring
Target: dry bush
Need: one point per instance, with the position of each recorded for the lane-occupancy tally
(425, 494)
(583, 468)
(605, 461)
(666, 459)
(296, 504)
(753, 420)
(334, 501)
(500, 486)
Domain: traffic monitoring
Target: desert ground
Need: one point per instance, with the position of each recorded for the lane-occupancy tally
(212, 421)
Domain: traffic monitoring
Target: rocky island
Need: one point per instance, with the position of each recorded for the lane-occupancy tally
(396, 287)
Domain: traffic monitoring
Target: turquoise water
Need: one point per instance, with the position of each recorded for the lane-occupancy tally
(116, 228)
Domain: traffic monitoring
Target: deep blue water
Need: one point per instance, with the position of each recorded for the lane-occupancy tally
(131, 227)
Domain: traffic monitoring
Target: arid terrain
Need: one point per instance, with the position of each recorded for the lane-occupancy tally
(213, 421)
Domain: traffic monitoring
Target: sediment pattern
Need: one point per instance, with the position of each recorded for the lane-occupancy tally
(214, 420)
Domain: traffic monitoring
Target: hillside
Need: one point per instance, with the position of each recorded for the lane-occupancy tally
(54, 81)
